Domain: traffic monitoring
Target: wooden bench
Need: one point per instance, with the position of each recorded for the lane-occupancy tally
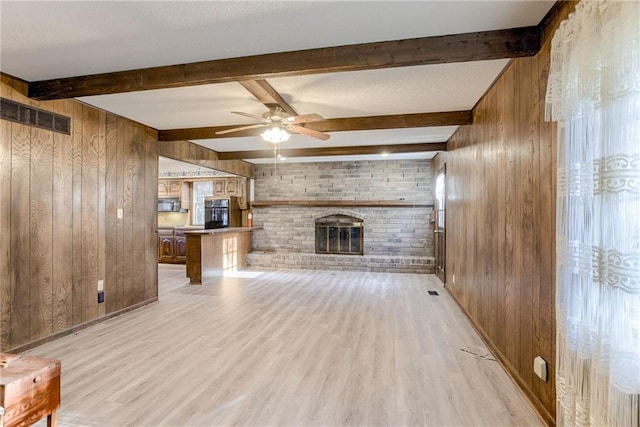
(29, 389)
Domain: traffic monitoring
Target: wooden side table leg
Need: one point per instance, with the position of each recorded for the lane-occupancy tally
(52, 419)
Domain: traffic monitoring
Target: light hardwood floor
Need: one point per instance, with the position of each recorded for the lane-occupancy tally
(286, 348)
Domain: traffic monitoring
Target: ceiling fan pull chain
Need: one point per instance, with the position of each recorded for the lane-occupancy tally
(275, 162)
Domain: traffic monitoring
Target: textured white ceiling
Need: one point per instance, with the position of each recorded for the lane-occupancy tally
(185, 107)
(51, 39)
(429, 88)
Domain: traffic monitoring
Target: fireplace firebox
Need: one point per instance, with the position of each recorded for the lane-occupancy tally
(339, 234)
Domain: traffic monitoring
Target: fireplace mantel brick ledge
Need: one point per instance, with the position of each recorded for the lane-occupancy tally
(311, 261)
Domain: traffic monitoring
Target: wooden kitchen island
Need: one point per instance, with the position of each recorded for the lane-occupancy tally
(217, 252)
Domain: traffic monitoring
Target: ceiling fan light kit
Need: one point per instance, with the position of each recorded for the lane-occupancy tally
(275, 134)
(280, 125)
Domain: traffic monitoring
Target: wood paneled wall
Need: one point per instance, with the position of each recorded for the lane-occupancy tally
(500, 221)
(198, 155)
(59, 228)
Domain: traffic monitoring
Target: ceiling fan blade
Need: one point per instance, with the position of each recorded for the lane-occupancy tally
(240, 113)
(305, 118)
(259, 125)
(309, 132)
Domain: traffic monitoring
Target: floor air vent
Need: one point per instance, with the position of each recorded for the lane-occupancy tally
(21, 113)
(434, 293)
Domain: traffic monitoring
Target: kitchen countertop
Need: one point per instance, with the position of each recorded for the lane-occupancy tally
(221, 230)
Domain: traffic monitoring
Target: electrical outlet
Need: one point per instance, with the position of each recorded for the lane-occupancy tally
(540, 368)
(100, 285)
(120, 213)
(453, 279)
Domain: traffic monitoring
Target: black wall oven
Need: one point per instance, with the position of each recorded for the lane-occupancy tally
(216, 213)
(222, 212)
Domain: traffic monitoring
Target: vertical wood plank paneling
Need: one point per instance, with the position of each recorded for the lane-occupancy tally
(128, 237)
(510, 216)
(499, 214)
(20, 232)
(474, 226)
(151, 219)
(5, 221)
(62, 223)
(101, 156)
(525, 107)
(60, 195)
(486, 234)
(139, 217)
(111, 219)
(76, 212)
(537, 208)
(501, 169)
(495, 142)
(41, 233)
(120, 231)
(547, 165)
(89, 213)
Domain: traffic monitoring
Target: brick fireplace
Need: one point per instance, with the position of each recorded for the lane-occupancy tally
(389, 199)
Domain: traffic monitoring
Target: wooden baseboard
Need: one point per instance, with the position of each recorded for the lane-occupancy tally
(76, 328)
(542, 412)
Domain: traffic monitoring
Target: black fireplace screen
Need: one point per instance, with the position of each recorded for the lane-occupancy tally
(339, 234)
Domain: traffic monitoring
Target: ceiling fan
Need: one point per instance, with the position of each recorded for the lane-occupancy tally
(280, 125)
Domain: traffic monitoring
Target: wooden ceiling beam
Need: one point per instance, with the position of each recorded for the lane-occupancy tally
(397, 121)
(265, 93)
(335, 151)
(478, 46)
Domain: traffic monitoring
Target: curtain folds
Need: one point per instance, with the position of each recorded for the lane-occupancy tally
(593, 93)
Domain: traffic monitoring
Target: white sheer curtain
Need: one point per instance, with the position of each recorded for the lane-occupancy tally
(594, 95)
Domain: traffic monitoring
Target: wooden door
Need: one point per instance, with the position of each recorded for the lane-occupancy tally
(440, 225)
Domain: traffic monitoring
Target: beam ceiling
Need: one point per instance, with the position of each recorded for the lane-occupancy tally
(484, 45)
(399, 121)
(265, 93)
(336, 151)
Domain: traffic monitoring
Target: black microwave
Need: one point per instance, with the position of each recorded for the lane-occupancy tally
(169, 204)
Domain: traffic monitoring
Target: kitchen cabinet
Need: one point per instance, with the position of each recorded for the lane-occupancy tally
(175, 188)
(165, 245)
(220, 187)
(170, 188)
(236, 187)
(163, 187)
(179, 247)
(232, 186)
(209, 252)
(172, 246)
